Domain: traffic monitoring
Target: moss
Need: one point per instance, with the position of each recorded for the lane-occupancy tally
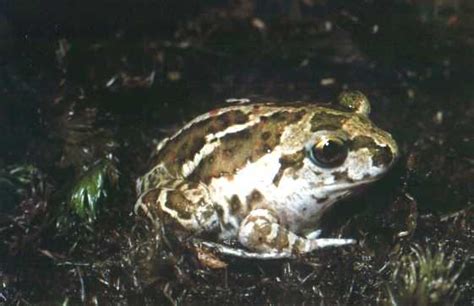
(424, 277)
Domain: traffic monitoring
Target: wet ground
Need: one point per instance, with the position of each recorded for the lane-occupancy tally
(88, 90)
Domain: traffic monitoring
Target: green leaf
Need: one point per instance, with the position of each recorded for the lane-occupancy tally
(90, 192)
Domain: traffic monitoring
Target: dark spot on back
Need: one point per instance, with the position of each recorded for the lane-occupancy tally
(266, 135)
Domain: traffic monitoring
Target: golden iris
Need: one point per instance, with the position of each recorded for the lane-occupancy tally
(329, 152)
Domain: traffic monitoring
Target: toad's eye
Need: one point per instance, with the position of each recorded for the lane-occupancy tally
(328, 152)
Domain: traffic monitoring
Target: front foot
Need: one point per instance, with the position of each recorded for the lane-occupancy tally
(322, 243)
(231, 251)
(262, 233)
(272, 254)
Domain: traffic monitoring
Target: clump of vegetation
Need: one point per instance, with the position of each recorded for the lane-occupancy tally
(423, 277)
(24, 190)
(14, 183)
(88, 193)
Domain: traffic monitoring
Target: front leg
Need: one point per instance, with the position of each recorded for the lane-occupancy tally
(261, 232)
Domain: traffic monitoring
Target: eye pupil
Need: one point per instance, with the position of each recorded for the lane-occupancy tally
(331, 148)
(329, 152)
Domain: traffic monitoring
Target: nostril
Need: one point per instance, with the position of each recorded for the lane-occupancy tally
(383, 156)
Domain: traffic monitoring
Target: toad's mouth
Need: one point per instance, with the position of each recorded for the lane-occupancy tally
(338, 187)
